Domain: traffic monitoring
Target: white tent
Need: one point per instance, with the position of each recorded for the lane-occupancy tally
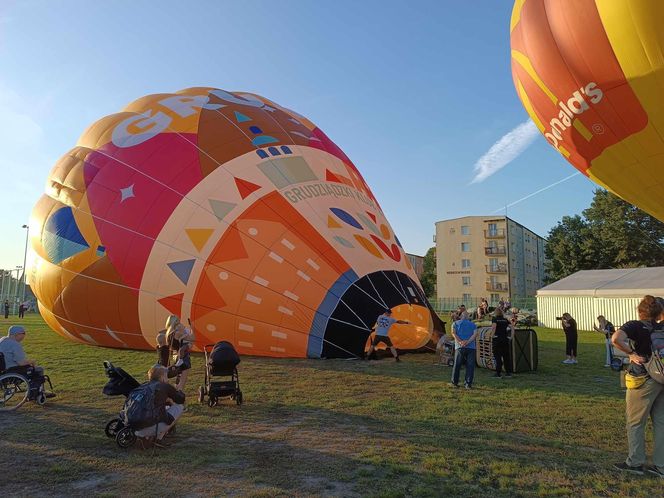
(589, 293)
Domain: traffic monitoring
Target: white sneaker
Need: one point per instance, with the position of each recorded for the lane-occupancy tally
(607, 365)
(568, 362)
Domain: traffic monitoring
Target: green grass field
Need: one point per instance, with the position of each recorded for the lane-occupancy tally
(331, 428)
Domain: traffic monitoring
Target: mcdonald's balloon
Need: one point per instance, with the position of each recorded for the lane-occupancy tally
(227, 209)
(590, 74)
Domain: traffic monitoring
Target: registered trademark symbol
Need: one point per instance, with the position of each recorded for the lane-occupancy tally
(598, 128)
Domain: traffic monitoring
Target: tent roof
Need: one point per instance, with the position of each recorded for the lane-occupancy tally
(622, 282)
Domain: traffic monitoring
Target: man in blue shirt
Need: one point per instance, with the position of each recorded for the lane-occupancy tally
(383, 324)
(464, 332)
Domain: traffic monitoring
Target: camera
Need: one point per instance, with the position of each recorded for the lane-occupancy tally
(559, 318)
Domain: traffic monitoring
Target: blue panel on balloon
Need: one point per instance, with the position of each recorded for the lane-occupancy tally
(63, 224)
(286, 149)
(255, 130)
(262, 154)
(346, 218)
(61, 237)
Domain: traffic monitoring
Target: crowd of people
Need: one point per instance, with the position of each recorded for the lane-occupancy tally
(640, 340)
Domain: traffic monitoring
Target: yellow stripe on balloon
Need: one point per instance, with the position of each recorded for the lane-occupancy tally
(581, 128)
(529, 106)
(563, 151)
(516, 14)
(525, 63)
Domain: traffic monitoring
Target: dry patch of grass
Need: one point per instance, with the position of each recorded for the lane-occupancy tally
(332, 428)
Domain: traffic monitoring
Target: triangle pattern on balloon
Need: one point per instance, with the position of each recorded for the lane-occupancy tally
(221, 208)
(199, 236)
(207, 298)
(241, 118)
(332, 223)
(229, 248)
(182, 269)
(245, 188)
(333, 177)
(172, 303)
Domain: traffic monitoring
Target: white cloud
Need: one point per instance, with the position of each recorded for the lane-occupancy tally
(505, 150)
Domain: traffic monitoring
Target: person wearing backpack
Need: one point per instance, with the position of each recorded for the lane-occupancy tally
(645, 396)
(606, 328)
(153, 407)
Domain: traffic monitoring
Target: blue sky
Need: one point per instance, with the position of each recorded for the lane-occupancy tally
(415, 94)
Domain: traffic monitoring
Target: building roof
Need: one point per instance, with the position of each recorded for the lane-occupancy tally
(605, 283)
(489, 218)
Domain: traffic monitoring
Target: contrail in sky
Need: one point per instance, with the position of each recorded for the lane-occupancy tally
(505, 150)
(537, 192)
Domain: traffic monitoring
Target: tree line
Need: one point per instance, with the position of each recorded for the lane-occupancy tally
(611, 233)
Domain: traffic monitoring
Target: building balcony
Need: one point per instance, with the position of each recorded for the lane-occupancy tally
(499, 268)
(496, 286)
(496, 233)
(495, 251)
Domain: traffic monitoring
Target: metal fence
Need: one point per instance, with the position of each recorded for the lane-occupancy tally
(446, 304)
(12, 290)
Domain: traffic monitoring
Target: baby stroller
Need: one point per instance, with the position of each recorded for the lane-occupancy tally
(445, 349)
(119, 383)
(221, 360)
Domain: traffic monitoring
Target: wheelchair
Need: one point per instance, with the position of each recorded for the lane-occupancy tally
(17, 388)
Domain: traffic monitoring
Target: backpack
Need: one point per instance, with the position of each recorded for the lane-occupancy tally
(655, 366)
(139, 410)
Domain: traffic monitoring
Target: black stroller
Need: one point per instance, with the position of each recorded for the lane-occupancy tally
(221, 360)
(119, 383)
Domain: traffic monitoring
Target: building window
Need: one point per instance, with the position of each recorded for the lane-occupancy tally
(465, 280)
(465, 230)
(465, 263)
(466, 297)
(465, 247)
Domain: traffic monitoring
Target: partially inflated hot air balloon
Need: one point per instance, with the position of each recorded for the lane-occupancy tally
(591, 75)
(228, 209)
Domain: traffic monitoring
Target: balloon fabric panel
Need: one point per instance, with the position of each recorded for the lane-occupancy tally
(228, 209)
(589, 74)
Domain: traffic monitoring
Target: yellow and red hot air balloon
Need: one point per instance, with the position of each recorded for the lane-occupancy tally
(228, 209)
(590, 74)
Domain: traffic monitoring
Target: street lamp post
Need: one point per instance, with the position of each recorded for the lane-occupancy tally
(25, 255)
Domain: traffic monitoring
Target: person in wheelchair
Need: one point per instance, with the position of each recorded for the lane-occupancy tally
(17, 362)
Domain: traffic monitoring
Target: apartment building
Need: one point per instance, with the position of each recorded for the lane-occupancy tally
(417, 262)
(487, 256)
